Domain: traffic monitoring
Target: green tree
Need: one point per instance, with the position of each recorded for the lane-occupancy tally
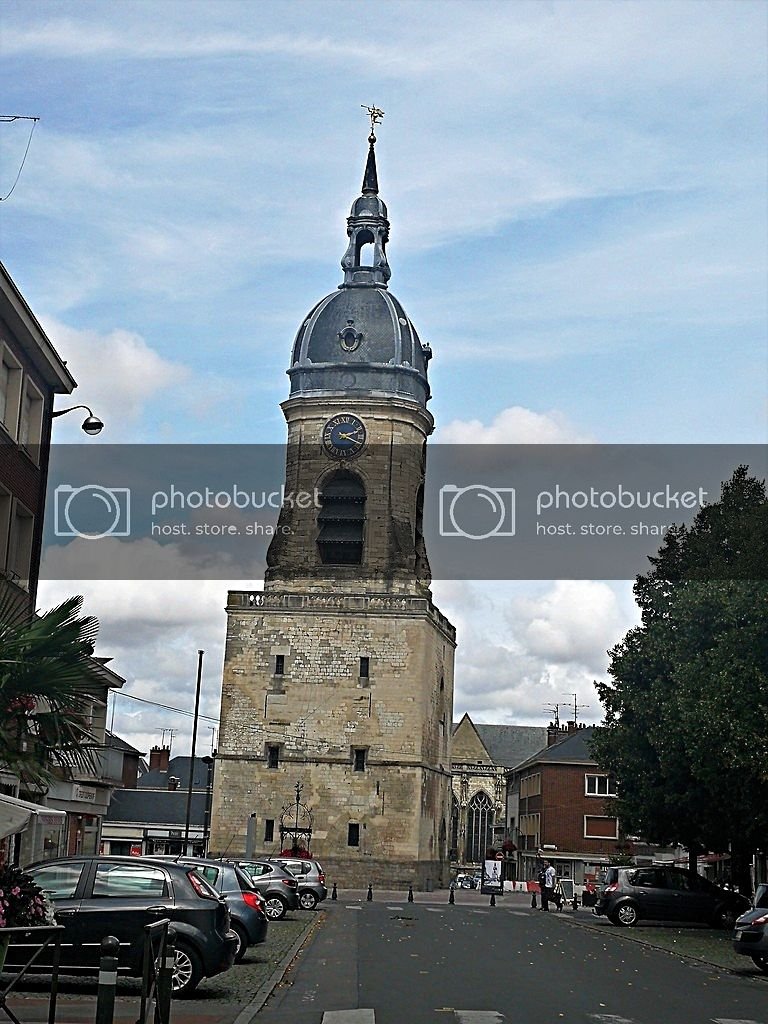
(48, 682)
(686, 710)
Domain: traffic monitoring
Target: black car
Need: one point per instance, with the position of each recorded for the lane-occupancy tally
(98, 896)
(751, 935)
(246, 904)
(666, 894)
(277, 885)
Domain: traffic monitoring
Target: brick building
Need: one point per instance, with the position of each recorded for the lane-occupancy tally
(337, 694)
(560, 799)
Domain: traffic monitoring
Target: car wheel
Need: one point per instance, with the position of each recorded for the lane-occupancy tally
(242, 942)
(761, 961)
(308, 900)
(275, 908)
(724, 917)
(187, 972)
(626, 915)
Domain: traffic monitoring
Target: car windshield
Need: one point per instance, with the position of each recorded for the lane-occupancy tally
(761, 897)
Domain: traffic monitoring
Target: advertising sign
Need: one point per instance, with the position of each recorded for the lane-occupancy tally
(492, 881)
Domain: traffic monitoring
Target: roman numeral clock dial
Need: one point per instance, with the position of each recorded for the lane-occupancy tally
(344, 436)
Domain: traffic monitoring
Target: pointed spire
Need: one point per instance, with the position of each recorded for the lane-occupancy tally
(370, 178)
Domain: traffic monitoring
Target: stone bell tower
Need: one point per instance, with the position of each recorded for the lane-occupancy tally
(337, 695)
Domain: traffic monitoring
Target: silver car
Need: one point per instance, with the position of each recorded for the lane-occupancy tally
(310, 876)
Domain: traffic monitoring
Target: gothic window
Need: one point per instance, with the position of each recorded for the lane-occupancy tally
(341, 520)
(479, 827)
(454, 828)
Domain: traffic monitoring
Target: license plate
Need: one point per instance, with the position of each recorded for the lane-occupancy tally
(738, 934)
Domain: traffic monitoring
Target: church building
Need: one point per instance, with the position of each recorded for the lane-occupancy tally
(337, 693)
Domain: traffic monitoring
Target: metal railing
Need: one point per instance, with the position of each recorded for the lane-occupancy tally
(157, 968)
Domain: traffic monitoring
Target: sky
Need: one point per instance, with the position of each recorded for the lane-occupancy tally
(577, 199)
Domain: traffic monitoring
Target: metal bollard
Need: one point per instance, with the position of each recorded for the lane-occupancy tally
(334, 893)
(369, 897)
(105, 998)
(575, 902)
(410, 894)
(451, 898)
(493, 900)
(533, 900)
(165, 980)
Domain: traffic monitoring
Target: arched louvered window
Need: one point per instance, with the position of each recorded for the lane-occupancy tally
(479, 827)
(341, 520)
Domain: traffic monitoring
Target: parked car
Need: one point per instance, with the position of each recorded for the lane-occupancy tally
(310, 876)
(246, 904)
(98, 896)
(751, 935)
(665, 893)
(277, 885)
(466, 882)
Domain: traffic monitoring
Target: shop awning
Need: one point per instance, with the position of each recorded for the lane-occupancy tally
(15, 815)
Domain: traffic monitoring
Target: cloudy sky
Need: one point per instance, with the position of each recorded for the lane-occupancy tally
(577, 197)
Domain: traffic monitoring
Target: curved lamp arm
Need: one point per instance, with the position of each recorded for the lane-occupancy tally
(91, 424)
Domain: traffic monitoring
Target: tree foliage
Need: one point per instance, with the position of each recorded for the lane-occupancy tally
(686, 709)
(48, 682)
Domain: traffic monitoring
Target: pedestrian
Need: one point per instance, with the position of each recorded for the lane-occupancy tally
(548, 885)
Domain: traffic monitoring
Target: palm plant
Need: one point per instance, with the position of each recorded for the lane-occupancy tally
(48, 682)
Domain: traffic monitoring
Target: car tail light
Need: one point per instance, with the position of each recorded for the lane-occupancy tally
(757, 920)
(291, 882)
(253, 900)
(200, 887)
(321, 876)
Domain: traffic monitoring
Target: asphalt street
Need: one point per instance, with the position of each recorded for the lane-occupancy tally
(400, 963)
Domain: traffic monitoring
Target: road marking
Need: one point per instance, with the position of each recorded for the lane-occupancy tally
(395, 908)
(479, 1017)
(728, 1020)
(610, 1018)
(348, 1017)
(519, 913)
(352, 906)
(435, 910)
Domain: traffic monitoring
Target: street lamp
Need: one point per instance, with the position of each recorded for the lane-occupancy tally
(91, 424)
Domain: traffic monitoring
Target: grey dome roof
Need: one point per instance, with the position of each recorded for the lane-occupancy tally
(359, 340)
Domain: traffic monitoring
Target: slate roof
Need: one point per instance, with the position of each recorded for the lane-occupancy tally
(508, 745)
(178, 767)
(156, 807)
(118, 743)
(572, 749)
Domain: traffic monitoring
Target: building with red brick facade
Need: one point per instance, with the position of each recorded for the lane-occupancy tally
(557, 808)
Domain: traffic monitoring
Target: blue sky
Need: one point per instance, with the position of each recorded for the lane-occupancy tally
(577, 198)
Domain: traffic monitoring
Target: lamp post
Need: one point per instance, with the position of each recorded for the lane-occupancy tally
(91, 424)
(299, 788)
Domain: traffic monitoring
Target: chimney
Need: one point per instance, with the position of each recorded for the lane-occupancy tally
(158, 759)
(553, 734)
(571, 728)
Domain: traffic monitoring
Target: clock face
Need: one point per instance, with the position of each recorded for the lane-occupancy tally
(344, 436)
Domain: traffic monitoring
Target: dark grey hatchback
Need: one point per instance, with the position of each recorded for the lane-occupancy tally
(666, 894)
(98, 896)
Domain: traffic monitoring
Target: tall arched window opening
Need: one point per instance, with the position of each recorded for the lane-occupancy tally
(341, 520)
(479, 827)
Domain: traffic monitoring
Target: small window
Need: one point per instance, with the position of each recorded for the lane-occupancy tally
(279, 664)
(20, 545)
(10, 392)
(59, 881)
(442, 684)
(273, 756)
(353, 834)
(269, 830)
(599, 785)
(360, 759)
(31, 420)
(365, 667)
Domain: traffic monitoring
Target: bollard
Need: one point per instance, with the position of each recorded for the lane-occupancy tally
(105, 998)
(575, 902)
(493, 900)
(369, 897)
(165, 980)
(451, 898)
(334, 894)
(410, 894)
(533, 900)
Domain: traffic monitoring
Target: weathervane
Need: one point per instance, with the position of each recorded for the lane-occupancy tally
(375, 115)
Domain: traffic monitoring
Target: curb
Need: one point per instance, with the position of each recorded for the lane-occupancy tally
(250, 1010)
(640, 941)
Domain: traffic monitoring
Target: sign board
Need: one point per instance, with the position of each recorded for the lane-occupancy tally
(566, 888)
(86, 794)
(136, 850)
(492, 881)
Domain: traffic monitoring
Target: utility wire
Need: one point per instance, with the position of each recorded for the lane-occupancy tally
(5, 118)
(165, 707)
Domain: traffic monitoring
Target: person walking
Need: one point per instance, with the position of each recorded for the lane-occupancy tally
(548, 885)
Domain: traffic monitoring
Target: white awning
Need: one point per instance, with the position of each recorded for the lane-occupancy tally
(15, 815)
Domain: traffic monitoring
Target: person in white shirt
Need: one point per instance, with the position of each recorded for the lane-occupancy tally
(548, 889)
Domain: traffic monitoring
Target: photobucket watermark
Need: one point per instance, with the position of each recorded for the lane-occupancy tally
(175, 499)
(619, 497)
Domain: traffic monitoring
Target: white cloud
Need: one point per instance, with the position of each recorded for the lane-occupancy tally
(514, 425)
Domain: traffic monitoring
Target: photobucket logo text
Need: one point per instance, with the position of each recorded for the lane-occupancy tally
(620, 497)
(177, 500)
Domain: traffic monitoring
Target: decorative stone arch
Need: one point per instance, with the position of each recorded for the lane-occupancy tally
(480, 816)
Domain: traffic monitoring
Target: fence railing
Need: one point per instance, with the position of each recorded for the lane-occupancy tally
(157, 968)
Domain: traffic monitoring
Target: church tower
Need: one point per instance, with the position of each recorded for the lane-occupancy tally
(337, 695)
